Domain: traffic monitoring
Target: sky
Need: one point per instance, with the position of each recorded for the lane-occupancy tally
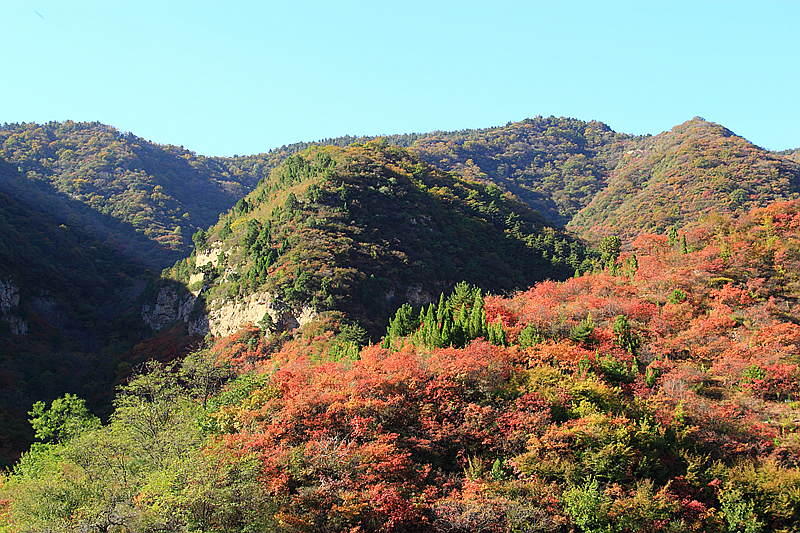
(241, 77)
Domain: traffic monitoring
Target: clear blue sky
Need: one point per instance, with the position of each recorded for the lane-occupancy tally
(241, 77)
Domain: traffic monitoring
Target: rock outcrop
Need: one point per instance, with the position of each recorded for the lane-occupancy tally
(226, 317)
(229, 317)
(211, 256)
(9, 299)
(168, 308)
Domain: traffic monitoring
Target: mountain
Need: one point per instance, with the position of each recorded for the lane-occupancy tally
(354, 381)
(577, 174)
(366, 228)
(596, 182)
(357, 230)
(152, 197)
(678, 177)
(658, 394)
(555, 165)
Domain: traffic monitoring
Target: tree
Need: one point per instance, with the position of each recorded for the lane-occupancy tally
(609, 248)
(205, 374)
(404, 323)
(200, 239)
(157, 415)
(66, 418)
(588, 507)
(624, 336)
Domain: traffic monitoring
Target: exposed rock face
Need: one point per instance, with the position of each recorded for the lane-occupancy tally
(9, 299)
(18, 325)
(417, 295)
(230, 317)
(9, 296)
(167, 309)
(227, 317)
(204, 258)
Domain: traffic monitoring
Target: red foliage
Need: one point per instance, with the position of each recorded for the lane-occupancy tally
(496, 308)
(387, 439)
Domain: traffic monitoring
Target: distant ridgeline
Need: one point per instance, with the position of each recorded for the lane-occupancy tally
(366, 228)
(695, 171)
(577, 174)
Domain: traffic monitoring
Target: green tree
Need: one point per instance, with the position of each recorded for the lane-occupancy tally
(404, 323)
(672, 236)
(609, 248)
(588, 507)
(624, 336)
(200, 239)
(739, 512)
(66, 418)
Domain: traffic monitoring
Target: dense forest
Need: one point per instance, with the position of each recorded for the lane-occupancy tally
(543, 326)
(135, 187)
(695, 170)
(68, 301)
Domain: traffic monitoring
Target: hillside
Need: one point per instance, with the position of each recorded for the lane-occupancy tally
(70, 303)
(678, 177)
(577, 174)
(364, 229)
(335, 237)
(555, 165)
(136, 188)
(659, 394)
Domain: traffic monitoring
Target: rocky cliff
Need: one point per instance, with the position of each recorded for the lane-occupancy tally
(260, 309)
(226, 316)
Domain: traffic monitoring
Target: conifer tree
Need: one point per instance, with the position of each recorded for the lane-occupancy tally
(441, 308)
(672, 236)
(461, 327)
(477, 318)
(496, 334)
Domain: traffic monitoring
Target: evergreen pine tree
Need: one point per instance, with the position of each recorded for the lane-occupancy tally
(461, 327)
(477, 318)
(672, 236)
(433, 338)
(441, 308)
(447, 328)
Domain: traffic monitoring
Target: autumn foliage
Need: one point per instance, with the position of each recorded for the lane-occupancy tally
(657, 394)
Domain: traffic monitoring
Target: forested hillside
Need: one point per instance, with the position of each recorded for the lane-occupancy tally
(577, 174)
(68, 299)
(366, 228)
(659, 394)
(696, 170)
(555, 165)
(545, 326)
(135, 187)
